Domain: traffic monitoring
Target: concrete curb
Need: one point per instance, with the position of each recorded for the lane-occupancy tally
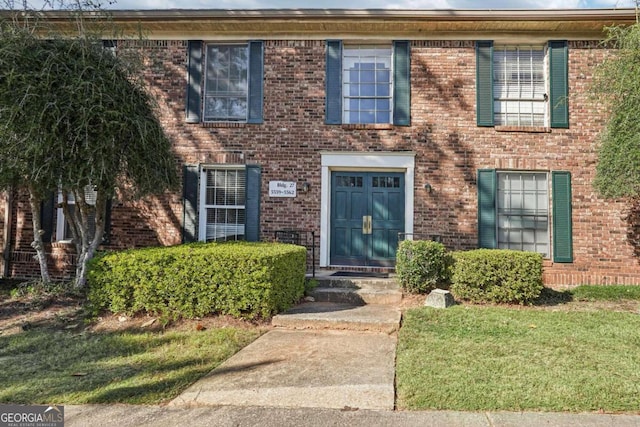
(163, 416)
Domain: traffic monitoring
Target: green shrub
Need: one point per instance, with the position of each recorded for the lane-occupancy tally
(422, 265)
(497, 275)
(241, 279)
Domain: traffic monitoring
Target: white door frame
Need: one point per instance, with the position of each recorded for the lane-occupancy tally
(403, 161)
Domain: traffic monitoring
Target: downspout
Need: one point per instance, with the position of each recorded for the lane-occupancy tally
(6, 239)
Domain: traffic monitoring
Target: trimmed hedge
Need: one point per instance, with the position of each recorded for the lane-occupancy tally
(241, 279)
(423, 265)
(497, 275)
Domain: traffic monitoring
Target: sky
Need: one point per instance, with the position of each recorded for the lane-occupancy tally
(370, 4)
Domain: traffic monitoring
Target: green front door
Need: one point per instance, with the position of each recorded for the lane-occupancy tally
(367, 213)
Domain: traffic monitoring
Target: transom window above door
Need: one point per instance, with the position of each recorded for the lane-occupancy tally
(367, 79)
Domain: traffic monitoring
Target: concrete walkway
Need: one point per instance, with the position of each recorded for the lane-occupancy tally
(303, 369)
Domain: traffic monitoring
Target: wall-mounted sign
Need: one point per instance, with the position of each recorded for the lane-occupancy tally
(282, 189)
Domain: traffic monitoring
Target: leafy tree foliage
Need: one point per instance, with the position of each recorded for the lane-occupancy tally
(617, 83)
(76, 117)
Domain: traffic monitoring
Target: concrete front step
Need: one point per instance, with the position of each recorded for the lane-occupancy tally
(326, 315)
(360, 296)
(358, 291)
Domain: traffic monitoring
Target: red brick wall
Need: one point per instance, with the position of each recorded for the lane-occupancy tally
(449, 149)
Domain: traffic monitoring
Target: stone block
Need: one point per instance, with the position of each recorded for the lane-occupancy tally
(439, 298)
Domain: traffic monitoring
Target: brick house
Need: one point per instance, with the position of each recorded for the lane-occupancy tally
(472, 127)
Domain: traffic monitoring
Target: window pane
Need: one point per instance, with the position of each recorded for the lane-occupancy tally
(226, 84)
(523, 216)
(383, 117)
(225, 198)
(367, 80)
(519, 86)
(368, 90)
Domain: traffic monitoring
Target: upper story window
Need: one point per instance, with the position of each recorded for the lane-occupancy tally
(367, 84)
(226, 83)
(519, 86)
(522, 86)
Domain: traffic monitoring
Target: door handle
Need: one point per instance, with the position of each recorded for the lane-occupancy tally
(366, 224)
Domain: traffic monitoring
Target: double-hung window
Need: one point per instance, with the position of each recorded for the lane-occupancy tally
(519, 210)
(519, 86)
(522, 86)
(63, 231)
(367, 84)
(223, 209)
(523, 211)
(224, 82)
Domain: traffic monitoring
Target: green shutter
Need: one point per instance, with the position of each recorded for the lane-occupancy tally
(256, 81)
(562, 232)
(333, 84)
(252, 203)
(401, 83)
(47, 209)
(559, 84)
(190, 203)
(487, 190)
(194, 80)
(484, 83)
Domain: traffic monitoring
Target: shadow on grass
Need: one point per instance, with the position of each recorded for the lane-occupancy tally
(551, 297)
(45, 365)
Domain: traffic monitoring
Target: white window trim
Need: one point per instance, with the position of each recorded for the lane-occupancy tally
(61, 220)
(346, 97)
(545, 69)
(202, 197)
(357, 161)
(204, 93)
(549, 241)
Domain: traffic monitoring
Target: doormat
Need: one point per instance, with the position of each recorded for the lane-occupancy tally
(361, 274)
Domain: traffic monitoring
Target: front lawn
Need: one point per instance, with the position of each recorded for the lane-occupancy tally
(48, 365)
(513, 359)
(606, 293)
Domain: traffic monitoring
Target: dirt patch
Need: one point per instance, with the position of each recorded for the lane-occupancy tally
(22, 313)
(118, 322)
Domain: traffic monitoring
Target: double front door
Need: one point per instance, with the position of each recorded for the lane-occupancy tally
(367, 213)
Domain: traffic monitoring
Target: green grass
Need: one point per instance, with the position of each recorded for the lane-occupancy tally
(45, 365)
(606, 293)
(496, 358)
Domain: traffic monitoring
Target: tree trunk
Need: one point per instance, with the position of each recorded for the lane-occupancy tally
(87, 248)
(37, 243)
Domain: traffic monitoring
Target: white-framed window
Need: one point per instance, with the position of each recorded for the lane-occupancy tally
(226, 82)
(523, 211)
(367, 79)
(520, 86)
(63, 232)
(222, 207)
